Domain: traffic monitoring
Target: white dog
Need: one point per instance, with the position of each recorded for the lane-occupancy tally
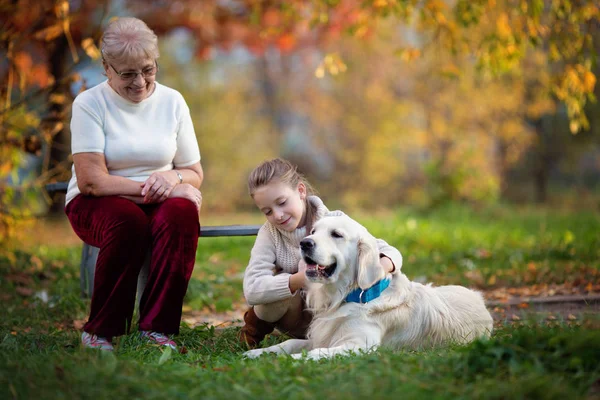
(358, 306)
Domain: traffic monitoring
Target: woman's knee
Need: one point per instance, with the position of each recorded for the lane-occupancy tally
(180, 214)
(130, 221)
(109, 216)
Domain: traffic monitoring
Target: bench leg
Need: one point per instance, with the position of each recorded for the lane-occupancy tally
(89, 256)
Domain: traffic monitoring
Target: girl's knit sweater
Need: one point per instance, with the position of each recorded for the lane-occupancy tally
(276, 254)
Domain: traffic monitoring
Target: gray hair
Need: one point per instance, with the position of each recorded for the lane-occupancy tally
(129, 38)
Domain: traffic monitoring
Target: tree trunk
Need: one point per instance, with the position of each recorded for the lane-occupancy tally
(60, 144)
(541, 166)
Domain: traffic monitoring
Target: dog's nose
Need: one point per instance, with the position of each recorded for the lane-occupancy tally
(307, 244)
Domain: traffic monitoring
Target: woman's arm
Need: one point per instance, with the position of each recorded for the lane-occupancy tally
(93, 178)
(192, 174)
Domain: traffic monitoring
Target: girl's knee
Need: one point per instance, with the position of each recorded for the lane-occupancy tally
(272, 312)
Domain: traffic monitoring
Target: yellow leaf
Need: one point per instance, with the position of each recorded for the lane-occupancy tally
(569, 237)
(574, 126)
(58, 127)
(589, 81)
(61, 9)
(49, 33)
(503, 26)
(492, 280)
(58, 98)
(320, 72)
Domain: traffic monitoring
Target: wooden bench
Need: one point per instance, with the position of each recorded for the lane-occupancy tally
(89, 254)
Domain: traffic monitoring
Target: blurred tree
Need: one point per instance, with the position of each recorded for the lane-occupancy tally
(508, 30)
(543, 50)
(41, 42)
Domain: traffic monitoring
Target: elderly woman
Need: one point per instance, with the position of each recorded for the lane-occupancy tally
(134, 189)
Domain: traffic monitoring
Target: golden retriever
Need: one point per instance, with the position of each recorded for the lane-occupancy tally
(357, 306)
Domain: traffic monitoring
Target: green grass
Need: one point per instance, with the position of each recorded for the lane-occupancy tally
(40, 355)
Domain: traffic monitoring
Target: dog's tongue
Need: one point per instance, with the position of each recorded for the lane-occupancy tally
(312, 266)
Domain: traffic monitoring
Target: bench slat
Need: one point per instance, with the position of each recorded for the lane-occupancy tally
(60, 187)
(229, 230)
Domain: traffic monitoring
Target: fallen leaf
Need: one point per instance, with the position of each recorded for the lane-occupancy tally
(571, 317)
(36, 262)
(166, 355)
(24, 291)
(79, 323)
(20, 278)
(589, 287)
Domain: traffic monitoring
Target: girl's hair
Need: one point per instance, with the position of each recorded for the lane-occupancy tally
(280, 170)
(129, 38)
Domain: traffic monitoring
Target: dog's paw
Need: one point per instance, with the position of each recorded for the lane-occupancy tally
(253, 353)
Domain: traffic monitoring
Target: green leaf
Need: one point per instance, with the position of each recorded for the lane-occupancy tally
(166, 355)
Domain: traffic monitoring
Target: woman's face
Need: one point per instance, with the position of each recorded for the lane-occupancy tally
(138, 88)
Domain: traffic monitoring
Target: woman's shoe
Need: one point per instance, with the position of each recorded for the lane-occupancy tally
(96, 342)
(159, 339)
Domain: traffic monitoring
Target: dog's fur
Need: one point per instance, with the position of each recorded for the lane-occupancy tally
(341, 255)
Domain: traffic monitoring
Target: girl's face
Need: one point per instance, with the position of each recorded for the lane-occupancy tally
(282, 204)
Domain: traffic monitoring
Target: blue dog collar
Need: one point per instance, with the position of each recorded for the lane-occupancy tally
(364, 296)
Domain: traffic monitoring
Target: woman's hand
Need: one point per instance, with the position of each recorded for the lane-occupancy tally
(187, 191)
(158, 186)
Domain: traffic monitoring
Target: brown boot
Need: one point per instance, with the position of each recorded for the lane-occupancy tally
(255, 329)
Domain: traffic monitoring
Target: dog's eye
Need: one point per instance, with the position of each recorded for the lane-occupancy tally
(312, 231)
(336, 234)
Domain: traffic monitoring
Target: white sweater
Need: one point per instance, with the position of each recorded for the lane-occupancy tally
(276, 254)
(137, 139)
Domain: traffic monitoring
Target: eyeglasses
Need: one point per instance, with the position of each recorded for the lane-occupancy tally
(131, 75)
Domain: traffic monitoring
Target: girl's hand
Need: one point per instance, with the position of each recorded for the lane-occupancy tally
(387, 264)
(158, 186)
(298, 280)
(187, 191)
(302, 266)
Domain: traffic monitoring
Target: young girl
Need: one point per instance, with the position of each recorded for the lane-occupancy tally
(274, 278)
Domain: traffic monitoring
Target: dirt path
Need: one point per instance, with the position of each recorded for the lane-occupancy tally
(572, 309)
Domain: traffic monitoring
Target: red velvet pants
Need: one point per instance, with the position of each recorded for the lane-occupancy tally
(125, 232)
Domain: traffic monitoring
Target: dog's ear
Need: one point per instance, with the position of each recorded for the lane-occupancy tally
(369, 268)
